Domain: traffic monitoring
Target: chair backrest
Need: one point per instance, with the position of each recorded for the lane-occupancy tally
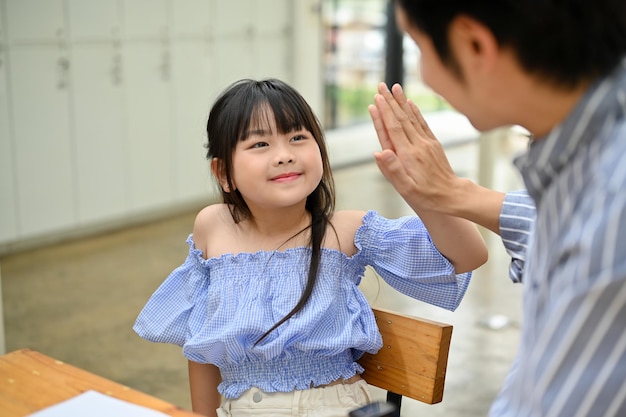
(413, 359)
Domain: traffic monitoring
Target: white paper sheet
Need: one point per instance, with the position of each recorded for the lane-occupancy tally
(95, 404)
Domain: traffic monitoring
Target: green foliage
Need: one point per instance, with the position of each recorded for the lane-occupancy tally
(351, 104)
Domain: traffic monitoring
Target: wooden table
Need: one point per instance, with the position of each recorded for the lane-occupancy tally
(31, 381)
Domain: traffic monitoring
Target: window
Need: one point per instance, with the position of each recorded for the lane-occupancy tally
(354, 62)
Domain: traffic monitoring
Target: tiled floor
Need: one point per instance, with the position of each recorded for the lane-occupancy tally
(77, 301)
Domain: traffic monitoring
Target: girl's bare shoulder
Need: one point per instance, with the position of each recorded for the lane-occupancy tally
(348, 219)
(211, 217)
(345, 223)
(211, 222)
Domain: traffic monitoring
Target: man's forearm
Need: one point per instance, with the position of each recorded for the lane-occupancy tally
(478, 204)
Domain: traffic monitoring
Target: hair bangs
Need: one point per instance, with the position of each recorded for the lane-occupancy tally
(290, 113)
(275, 116)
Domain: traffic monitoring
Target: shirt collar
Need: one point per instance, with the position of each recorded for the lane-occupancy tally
(546, 157)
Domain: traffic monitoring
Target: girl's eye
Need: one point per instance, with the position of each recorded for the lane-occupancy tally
(298, 137)
(259, 145)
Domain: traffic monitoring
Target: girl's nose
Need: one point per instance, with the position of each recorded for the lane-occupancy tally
(284, 156)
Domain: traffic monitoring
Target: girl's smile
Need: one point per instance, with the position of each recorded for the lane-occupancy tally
(289, 176)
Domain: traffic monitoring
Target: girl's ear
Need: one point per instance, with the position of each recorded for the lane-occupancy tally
(217, 168)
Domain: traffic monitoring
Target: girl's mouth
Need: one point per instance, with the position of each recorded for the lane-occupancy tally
(289, 176)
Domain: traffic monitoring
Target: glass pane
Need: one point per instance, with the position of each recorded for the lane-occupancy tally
(354, 62)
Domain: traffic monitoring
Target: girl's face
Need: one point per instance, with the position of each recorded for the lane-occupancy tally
(275, 170)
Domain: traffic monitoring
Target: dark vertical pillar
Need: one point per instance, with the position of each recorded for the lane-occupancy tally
(394, 68)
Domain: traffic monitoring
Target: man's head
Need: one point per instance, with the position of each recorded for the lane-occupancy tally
(474, 51)
(564, 41)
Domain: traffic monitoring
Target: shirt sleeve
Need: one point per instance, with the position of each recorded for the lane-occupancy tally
(517, 219)
(403, 254)
(178, 308)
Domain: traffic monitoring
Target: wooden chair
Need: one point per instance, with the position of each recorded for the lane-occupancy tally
(413, 359)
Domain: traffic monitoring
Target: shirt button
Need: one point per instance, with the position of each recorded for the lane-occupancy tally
(257, 397)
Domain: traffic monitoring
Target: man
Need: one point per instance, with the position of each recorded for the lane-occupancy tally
(559, 70)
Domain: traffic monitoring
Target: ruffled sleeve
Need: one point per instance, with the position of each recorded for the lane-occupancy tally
(403, 254)
(177, 309)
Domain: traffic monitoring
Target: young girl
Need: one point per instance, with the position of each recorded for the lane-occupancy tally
(266, 305)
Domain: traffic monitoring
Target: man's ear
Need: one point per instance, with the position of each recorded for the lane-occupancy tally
(217, 168)
(474, 45)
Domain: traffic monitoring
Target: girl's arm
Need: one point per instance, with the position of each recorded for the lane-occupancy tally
(203, 382)
(457, 239)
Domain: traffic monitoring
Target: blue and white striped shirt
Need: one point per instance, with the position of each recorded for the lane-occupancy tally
(572, 356)
(516, 221)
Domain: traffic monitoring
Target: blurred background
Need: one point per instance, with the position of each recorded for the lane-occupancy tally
(103, 106)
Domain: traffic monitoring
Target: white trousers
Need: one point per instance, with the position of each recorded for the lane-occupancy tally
(331, 401)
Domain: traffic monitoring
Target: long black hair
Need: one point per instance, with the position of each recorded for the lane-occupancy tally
(247, 104)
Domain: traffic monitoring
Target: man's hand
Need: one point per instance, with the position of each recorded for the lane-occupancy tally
(414, 162)
(412, 159)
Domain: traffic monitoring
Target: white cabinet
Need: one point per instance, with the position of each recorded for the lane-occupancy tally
(103, 104)
(8, 208)
(39, 108)
(93, 20)
(273, 39)
(42, 138)
(272, 62)
(149, 127)
(100, 142)
(193, 93)
(31, 21)
(223, 23)
(233, 38)
(98, 113)
(190, 18)
(194, 89)
(273, 42)
(260, 39)
(228, 70)
(272, 16)
(145, 19)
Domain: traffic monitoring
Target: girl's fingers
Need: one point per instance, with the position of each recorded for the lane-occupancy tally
(399, 123)
(392, 169)
(403, 108)
(420, 119)
(413, 112)
(399, 126)
(398, 94)
(385, 143)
